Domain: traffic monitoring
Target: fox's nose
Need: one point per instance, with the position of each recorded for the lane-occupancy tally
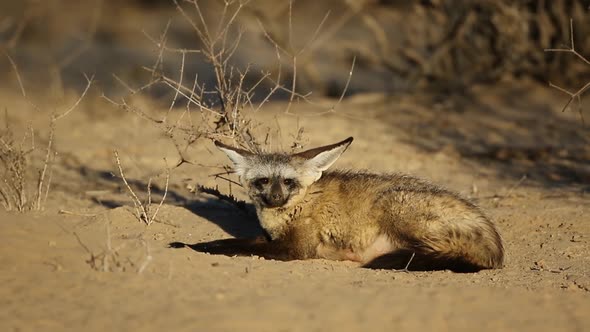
(276, 192)
(275, 200)
(275, 196)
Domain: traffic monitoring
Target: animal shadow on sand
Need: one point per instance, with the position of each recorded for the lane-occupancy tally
(238, 222)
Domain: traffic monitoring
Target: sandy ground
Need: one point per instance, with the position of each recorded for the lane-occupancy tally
(86, 263)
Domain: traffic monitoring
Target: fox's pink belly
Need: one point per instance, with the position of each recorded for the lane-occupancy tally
(380, 245)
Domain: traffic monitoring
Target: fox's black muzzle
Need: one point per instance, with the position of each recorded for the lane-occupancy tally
(276, 197)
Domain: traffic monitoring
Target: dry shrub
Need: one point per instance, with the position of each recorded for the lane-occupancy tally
(227, 109)
(483, 41)
(17, 170)
(24, 185)
(400, 46)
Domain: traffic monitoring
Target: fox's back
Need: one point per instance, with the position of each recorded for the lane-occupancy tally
(362, 197)
(354, 208)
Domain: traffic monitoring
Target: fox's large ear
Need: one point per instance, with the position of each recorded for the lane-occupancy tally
(323, 157)
(238, 156)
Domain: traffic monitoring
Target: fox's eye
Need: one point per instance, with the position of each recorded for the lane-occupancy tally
(261, 181)
(288, 182)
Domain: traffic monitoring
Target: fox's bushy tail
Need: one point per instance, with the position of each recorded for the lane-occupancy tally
(458, 245)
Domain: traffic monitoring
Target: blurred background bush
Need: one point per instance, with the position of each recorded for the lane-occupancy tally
(400, 46)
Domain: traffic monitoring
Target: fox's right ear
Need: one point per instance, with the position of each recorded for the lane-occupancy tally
(238, 156)
(320, 159)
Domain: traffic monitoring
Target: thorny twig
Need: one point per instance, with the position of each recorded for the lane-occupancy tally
(578, 94)
(89, 81)
(241, 205)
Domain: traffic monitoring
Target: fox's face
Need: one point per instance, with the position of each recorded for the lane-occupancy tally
(276, 180)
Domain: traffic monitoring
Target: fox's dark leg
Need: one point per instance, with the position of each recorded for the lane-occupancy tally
(259, 246)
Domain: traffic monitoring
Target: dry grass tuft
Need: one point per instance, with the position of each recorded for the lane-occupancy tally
(144, 210)
(25, 186)
(112, 258)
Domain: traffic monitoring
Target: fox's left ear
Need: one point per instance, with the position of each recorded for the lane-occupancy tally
(238, 156)
(323, 157)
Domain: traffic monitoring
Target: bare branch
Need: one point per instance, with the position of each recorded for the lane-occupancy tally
(573, 95)
(572, 48)
(161, 45)
(315, 34)
(346, 85)
(41, 181)
(177, 90)
(88, 84)
(16, 72)
(143, 209)
(578, 94)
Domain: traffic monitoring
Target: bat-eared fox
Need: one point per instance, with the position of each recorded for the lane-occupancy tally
(391, 221)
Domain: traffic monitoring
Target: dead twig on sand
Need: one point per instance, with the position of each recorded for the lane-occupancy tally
(112, 258)
(143, 209)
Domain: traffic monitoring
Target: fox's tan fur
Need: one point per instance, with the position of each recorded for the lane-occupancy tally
(373, 219)
(343, 215)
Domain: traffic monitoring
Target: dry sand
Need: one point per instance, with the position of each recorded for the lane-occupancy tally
(94, 267)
